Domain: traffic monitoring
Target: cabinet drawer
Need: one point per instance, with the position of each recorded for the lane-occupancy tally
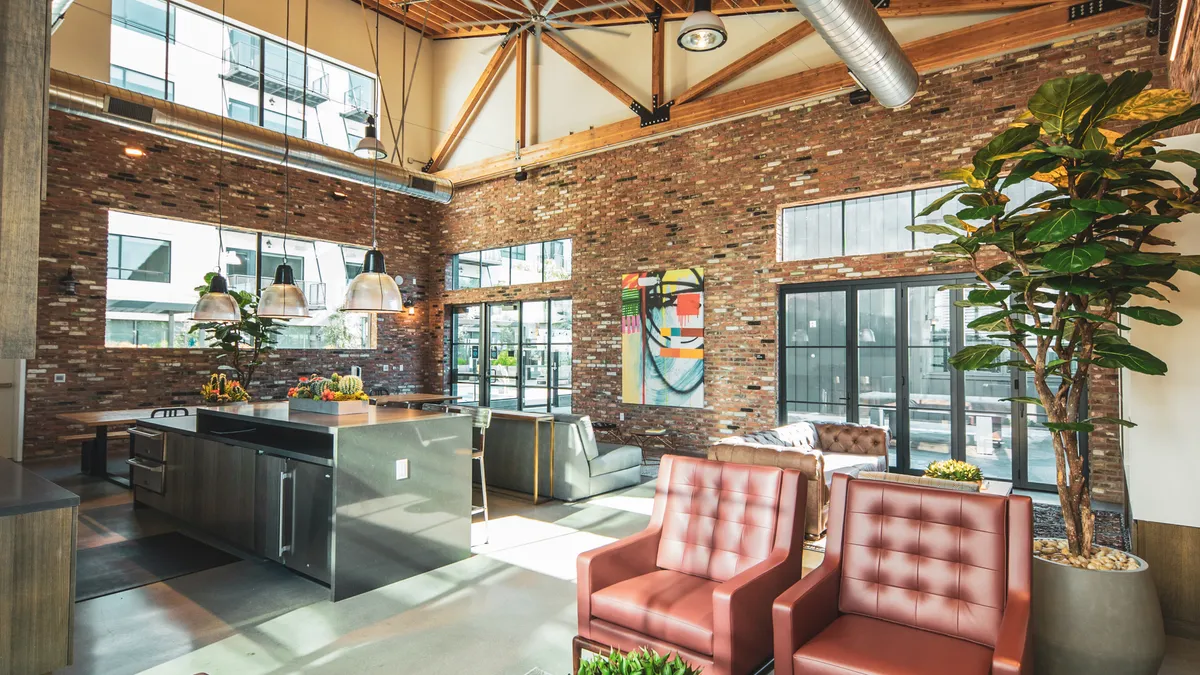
(147, 474)
(148, 443)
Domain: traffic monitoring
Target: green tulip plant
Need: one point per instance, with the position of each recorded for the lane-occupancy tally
(1060, 274)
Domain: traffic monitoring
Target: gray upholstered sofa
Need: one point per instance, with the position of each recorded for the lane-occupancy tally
(582, 467)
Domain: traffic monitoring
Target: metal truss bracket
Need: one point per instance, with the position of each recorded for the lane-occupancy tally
(655, 17)
(882, 4)
(1093, 7)
(427, 167)
(660, 113)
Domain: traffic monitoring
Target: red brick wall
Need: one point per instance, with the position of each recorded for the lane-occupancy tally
(709, 198)
(89, 174)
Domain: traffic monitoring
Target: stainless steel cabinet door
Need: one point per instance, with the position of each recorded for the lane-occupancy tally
(272, 497)
(312, 519)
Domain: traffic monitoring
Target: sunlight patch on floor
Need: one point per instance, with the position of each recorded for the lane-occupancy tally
(640, 505)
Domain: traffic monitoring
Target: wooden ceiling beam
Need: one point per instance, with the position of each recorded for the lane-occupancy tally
(768, 49)
(983, 40)
(470, 107)
(587, 69)
(433, 27)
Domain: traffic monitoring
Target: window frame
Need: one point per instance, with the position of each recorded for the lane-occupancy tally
(120, 249)
(453, 277)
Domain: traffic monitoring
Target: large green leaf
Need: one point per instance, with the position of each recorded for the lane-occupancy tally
(1112, 420)
(1116, 355)
(929, 228)
(1026, 168)
(981, 212)
(941, 201)
(1060, 225)
(976, 357)
(1122, 88)
(1147, 130)
(1078, 427)
(1144, 259)
(1060, 102)
(988, 296)
(1074, 259)
(1105, 206)
(1013, 139)
(1154, 315)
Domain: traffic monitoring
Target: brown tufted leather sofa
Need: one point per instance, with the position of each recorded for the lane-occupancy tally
(818, 450)
(915, 581)
(723, 542)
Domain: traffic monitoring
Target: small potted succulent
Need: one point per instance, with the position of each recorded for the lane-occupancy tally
(953, 469)
(334, 395)
(641, 662)
(220, 390)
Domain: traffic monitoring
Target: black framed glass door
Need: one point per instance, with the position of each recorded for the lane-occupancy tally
(512, 355)
(877, 352)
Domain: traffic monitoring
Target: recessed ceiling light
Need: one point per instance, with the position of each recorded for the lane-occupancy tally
(134, 152)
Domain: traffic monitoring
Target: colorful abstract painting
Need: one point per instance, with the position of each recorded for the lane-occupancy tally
(662, 338)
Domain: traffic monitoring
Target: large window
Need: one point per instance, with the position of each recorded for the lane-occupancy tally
(878, 353)
(155, 264)
(872, 224)
(182, 53)
(513, 355)
(512, 265)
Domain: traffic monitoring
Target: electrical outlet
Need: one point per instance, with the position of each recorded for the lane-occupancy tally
(621, 417)
(386, 367)
(401, 469)
(400, 368)
(59, 378)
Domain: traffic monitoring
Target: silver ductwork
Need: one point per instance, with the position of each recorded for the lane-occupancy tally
(103, 102)
(859, 37)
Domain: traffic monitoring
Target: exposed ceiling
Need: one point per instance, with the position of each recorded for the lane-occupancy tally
(439, 16)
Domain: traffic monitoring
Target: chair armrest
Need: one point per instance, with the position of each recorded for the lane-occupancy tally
(854, 439)
(742, 609)
(1013, 655)
(602, 567)
(803, 611)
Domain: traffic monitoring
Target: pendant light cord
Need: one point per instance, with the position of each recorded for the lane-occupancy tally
(375, 162)
(221, 158)
(287, 135)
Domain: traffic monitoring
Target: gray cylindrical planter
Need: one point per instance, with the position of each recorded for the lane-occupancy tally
(1089, 621)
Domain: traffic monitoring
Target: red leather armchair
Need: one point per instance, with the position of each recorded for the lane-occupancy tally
(724, 541)
(915, 581)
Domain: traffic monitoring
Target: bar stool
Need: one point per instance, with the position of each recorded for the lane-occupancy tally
(481, 419)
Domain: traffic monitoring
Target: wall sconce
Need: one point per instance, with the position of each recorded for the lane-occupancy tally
(338, 195)
(69, 283)
(409, 304)
(134, 152)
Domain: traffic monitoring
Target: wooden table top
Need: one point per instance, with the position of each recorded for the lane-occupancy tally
(414, 398)
(106, 418)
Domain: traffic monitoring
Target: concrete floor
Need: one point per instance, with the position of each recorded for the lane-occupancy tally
(508, 610)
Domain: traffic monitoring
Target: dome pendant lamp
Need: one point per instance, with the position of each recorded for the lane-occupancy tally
(373, 290)
(217, 305)
(370, 147)
(283, 299)
(702, 31)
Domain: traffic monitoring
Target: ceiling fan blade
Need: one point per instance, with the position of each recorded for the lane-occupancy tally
(529, 6)
(549, 7)
(598, 29)
(590, 8)
(466, 24)
(498, 6)
(537, 45)
(562, 37)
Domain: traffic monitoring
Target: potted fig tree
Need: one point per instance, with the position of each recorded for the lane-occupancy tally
(1059, 278)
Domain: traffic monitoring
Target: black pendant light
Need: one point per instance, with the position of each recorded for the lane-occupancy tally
(283, 299)
(373, 290)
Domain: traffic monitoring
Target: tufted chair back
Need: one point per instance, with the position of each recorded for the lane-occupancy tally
(718, 519)
(930, 559)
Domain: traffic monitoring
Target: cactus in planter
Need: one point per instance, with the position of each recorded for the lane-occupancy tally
(318, 385)
(350, 385)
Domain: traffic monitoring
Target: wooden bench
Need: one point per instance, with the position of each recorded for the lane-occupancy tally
(83, 438)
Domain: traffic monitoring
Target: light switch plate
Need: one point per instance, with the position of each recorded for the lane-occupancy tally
(401, 469)
(386, 367)
(621, 417)
(59, 378)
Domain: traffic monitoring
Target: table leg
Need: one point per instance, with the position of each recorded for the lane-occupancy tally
(552, 435)
(537, 476)
(97, 464)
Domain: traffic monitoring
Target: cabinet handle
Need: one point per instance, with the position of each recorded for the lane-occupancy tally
(144, 466)
(283, 476)
(145, 434)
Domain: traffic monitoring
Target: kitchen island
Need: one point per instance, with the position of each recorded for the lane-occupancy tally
(354, 501)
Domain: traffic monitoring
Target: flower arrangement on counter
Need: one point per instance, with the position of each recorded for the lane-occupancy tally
(220, 389)
(952, 469)
(334, 388)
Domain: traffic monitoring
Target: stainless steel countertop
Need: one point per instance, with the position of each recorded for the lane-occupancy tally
(23, 491)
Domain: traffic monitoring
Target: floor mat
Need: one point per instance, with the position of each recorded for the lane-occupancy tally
(112, 568)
